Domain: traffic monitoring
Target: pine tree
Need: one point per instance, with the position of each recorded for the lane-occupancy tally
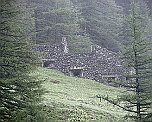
(20, 93)
(139, 67)
(58, 20)
(103, 21)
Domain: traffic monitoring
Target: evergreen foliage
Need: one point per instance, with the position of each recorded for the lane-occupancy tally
(103, 21)
(20, 93)
(82, 23)
(139, 66)
(58, 20)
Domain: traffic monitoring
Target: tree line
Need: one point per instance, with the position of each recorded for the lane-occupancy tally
(82, 22)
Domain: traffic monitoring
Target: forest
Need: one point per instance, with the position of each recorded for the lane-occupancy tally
(31, 93)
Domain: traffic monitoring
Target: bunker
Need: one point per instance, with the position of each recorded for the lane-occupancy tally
(76, 72)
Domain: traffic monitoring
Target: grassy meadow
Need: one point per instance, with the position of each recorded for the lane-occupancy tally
(71, 99)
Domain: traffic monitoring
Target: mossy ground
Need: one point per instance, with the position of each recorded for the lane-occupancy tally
(74, 99)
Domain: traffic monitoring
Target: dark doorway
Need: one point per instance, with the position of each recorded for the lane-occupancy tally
(109, 78)
(48, 63)
(76, 72)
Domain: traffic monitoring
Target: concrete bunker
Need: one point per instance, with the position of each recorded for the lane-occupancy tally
(109, 78)
(48, 63)
(76, 72)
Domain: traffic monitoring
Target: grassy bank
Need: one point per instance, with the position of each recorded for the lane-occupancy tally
(74, 99)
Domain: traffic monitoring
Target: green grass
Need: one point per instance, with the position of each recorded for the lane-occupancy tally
(74, 99)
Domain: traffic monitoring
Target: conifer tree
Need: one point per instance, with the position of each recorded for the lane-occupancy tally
(138, 63)
(103, 21)
(20, 93)
(58, 20)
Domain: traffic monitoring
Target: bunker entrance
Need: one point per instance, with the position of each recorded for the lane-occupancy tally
(76, 72)
(48, 63)
(109, 78)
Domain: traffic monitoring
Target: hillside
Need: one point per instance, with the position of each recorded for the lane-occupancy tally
(74, 99)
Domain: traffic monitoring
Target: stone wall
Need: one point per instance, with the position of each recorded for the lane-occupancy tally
(99, 64)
